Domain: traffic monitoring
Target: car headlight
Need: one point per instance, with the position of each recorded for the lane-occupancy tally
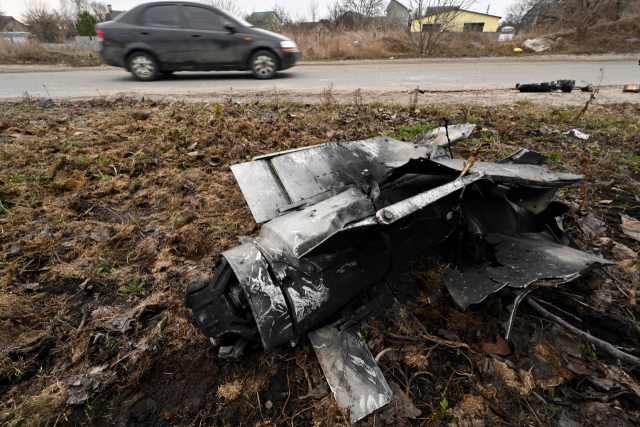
(288, 44)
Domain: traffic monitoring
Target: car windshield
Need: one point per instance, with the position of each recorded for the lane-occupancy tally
(234, 18)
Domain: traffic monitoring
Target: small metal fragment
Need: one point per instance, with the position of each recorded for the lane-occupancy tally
(351, 371)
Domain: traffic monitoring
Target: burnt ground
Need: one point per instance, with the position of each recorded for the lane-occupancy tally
(110, 208)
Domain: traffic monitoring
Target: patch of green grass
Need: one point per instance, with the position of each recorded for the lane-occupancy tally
(407, 133)
(561, 116)
(632, 162)
(554, 156)
(102, 175)
(3, 264)
(133, 289)
(82, 159)
(105, 267)
(523, 102)
(587, 350)
(444, 405)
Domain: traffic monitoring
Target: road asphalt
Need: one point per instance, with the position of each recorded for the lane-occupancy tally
(379, 76)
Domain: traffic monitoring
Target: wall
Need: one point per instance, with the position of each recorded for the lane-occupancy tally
(397, 15)
(457, 22)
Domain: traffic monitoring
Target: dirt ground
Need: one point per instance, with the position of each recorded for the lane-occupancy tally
(487, 97)
(109, 208)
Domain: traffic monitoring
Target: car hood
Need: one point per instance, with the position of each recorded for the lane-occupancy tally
(270, 34)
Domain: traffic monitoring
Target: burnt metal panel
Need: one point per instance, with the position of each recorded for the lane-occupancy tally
(518, 174)
(305, 173)
(521, 261)
(294, 234)
(533, 199)
(524, 157)
(353, 375)
(261, 189)
(438, 136)
(266, 300)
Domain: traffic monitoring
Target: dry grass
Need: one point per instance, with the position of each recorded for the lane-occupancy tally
(365, 44)
(36, 53)
(377, 44)
(156, 177)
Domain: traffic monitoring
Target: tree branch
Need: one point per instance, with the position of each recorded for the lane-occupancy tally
(624, 357)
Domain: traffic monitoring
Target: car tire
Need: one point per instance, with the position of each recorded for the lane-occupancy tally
(143, 66)
(264, 64)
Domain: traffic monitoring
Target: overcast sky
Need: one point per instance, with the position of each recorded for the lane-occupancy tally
(15, 7)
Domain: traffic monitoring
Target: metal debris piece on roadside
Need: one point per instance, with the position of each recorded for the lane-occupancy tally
(563, 85)
(576, 134)
(631, 88)
(341, 222)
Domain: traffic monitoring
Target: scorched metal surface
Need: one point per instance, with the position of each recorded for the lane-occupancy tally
(343, 220)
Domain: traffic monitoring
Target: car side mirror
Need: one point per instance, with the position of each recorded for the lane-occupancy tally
(229, 27)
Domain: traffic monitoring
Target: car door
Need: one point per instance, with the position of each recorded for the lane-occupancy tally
(160, 28)
(210, 44)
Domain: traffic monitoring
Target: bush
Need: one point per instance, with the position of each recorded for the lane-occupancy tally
(86, 24)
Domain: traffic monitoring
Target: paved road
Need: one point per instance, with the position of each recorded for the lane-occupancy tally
(382, 76)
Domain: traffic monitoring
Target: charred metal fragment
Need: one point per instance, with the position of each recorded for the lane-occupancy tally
(520, 262)
(353, 375)
(342, 220)
(563, 85)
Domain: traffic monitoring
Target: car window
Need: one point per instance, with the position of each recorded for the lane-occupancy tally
(199, 18)
(161, 16)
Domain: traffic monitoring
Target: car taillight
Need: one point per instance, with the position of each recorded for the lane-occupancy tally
(100, 35)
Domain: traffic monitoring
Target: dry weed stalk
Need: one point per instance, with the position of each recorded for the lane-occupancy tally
(328, 98)
(413, 99)
(357, 97)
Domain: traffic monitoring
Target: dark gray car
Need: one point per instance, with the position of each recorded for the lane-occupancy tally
(163, 37)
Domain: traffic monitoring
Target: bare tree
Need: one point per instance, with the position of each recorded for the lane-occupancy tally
(335, 12)
(431, 19)
(365, 9)
(230, 6)
(99, 10)
(516, 13)
(313, 10)
(282, 13)
(45, 23)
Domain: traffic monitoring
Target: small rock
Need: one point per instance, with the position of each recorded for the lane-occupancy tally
(268, 404)
(622, 252)
(541, 44)
(13, 250)
(69, 243)
(591, 226)
(100, 236)
(169, 100)
(632, 40)
(405, 406)
(143, 408)
(631, 227)
(167, 415)
(122, 323)
(48, 231)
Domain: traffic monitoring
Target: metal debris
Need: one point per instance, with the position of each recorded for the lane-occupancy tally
(353, 375)
(342, 222)
(576, 134)
(631, 88)
(563, 85)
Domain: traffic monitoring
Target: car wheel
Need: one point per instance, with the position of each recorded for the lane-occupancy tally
(264, 64)
(143, 66)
